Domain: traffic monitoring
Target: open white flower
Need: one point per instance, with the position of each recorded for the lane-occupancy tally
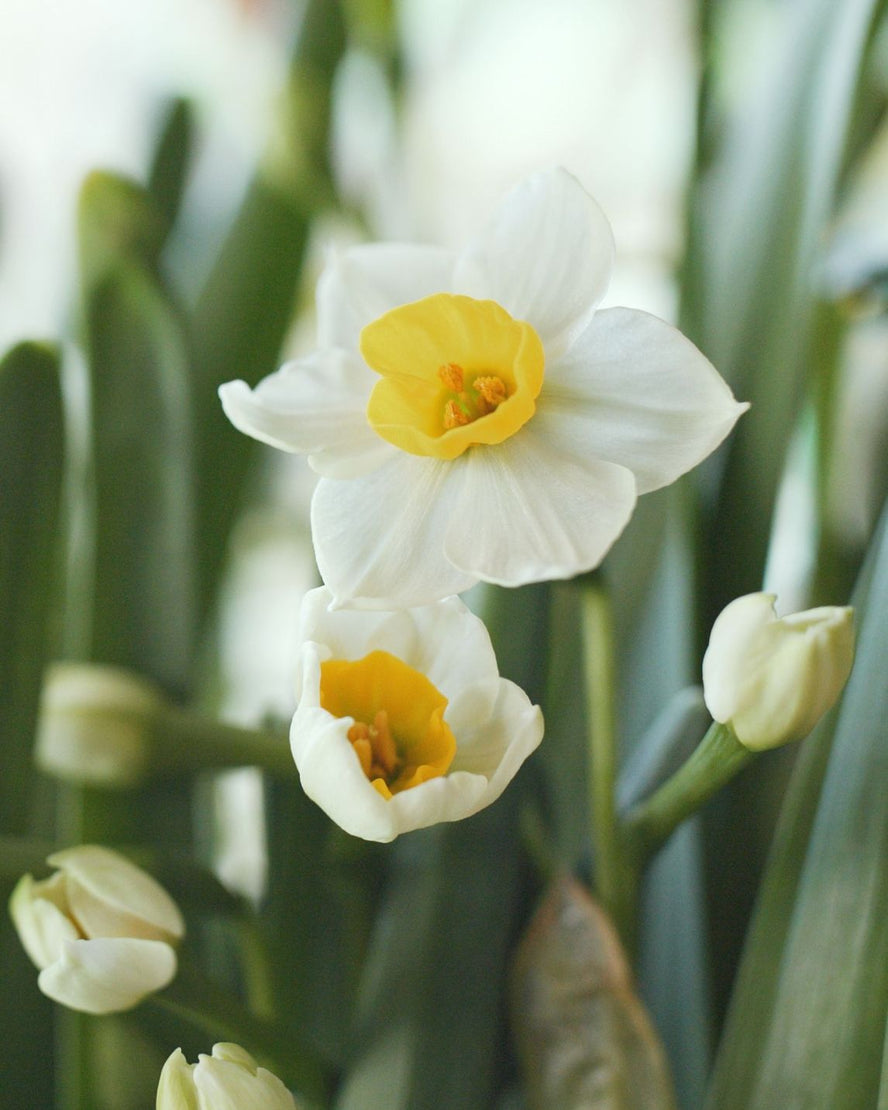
(100, 929)
(473, 417)
(230, 1079)
(772, 679)
(403, 719)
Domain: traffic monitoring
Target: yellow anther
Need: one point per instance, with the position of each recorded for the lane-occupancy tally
(451, 374)
(454, 416)
(491, 391)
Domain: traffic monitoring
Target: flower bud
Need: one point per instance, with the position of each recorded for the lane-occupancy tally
(770, 679)
(100, 929)
(230, 1079)
(95, 724)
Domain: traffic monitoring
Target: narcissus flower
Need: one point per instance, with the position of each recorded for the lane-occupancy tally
(230, 1079)
(403, 719)
(473, 417)
(770, 679)
(100, 929)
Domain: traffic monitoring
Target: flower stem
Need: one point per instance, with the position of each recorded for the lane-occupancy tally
(611, 875)
(189, 741)
(201, 1002)
(716, 760)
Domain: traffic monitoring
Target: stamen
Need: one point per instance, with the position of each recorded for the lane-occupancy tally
(375, 747)
(491, 390)
(451, 374)
(454, 416)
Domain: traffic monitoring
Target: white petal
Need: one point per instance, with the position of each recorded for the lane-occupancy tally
(225, 1085)
(109, 974)
(633, 390)
(316, 406)
(331, 775)
(361, 283)
(379, 539)
(175, 1088)
(498, 728)
(444, 641)
(109, 896)
(546, 256)
(38, 913)
(528, 512)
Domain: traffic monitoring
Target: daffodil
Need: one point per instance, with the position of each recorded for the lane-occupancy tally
(403, 720)
(229, 1079)
(771, 679)
(473, 416)
(100, 929)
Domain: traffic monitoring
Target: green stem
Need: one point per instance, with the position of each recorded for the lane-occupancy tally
(716, 760)
(598, 651)
(201, 1002)
(189, 741)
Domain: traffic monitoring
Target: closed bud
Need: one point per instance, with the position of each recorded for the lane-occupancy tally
(100, 929)
(96, 724)
(771, 679)
(230, 1079)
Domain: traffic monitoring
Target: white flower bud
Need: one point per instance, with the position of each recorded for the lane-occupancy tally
(770, 679)
(230, 1079)
(95, 724)
(100, 929)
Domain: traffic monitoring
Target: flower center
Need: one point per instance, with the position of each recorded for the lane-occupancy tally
(455, 372)
(399, 734)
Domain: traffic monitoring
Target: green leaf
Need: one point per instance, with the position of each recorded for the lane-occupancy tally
(434, 983)
(243, 313)
(142, 610)
(116, 219)
(807, 1023)
(169, 167)
(31, 462)
(760, 214)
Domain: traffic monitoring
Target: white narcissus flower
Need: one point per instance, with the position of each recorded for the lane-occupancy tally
(403, 720)
(100, 929)
(770, 679)
(473, 417)
(230, 1079)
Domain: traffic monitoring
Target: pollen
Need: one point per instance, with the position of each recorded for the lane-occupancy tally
(491, 391)
(451, 374)
(454, 416)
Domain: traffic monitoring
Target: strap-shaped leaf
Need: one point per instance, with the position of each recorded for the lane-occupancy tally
(808, 1019)
(31, 460)
(142, 604)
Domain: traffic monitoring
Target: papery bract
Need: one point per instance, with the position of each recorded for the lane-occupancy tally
(100, 929)
(428, 484)
(403, 720)
(772, 679)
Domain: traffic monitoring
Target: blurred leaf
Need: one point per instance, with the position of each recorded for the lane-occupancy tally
(759, 216)
(808, 1017)
(583, 1036)
(243, 312)
(169, 168)
(141, 458)
(315, 917)
(31, 462)
(432, 1015)
(116, 219)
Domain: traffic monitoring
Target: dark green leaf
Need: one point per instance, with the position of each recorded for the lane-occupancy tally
(31, 461)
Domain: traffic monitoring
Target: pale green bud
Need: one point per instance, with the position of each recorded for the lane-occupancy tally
(100, 929)
(230, 1079)
(771, 680)
(96, 724)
